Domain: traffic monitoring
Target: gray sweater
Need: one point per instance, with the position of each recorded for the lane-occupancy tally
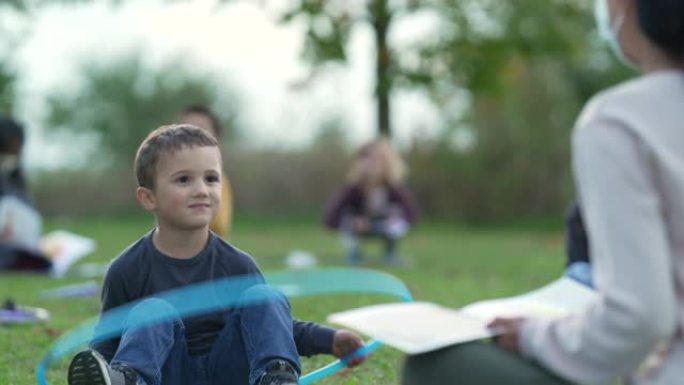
(628, 161)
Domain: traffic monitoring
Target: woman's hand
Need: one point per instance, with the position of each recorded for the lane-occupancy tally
(346, 342)
(508, 332)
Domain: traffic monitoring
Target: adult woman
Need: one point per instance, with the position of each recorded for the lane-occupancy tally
(628, 159)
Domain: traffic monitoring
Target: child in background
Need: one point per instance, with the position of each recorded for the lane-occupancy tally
(179, 176)
(204, 118)
(12, 181)
(374, 203)
(578, 266)
(20, 222)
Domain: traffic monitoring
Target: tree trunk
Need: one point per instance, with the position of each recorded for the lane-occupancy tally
(380, 19)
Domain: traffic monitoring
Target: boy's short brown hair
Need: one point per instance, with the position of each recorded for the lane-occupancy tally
(167, 139)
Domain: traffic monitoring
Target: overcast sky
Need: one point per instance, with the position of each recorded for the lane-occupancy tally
(260, 58)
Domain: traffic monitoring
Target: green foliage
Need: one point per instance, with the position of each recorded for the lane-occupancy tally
(513, 74)
(328, 25)
(481, 46)
(8, 42)
(119, 103)
(482, 43)
(520, 73)
(6, 90)
(526, 68)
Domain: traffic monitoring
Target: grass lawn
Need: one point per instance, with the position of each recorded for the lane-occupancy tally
(444, 263)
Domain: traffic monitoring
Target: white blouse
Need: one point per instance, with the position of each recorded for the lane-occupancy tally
(628, 161)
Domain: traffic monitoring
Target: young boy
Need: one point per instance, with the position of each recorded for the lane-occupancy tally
(178, 169)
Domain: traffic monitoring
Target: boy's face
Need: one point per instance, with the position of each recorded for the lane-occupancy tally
(187, 188)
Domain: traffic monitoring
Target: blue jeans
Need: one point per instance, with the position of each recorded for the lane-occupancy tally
(252, 336)
(351, 240)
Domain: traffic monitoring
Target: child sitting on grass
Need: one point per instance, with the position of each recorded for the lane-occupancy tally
(178, 169)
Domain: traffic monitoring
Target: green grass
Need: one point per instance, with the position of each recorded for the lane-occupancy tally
(443, 263)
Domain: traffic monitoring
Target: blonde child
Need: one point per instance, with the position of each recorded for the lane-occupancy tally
(374, 203)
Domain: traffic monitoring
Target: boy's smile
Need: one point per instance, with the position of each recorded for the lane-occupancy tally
(187, 188)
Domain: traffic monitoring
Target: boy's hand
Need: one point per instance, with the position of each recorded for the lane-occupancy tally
(346, 342)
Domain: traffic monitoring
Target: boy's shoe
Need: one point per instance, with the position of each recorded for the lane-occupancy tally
(90, 368)
(279, 372)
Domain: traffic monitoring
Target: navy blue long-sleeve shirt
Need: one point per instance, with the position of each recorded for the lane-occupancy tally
(142, 271)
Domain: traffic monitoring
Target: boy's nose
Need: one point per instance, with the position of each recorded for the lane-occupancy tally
(201, 189)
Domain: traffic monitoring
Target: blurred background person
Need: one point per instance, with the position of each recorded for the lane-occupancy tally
(20, 222)
(578, 263)
(12, 181)
(374, 203)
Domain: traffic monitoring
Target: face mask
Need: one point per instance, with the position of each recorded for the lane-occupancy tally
(609, 31)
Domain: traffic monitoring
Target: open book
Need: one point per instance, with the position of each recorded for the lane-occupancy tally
(419, 327)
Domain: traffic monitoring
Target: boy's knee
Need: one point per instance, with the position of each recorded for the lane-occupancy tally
(259, 294)
(152, 310)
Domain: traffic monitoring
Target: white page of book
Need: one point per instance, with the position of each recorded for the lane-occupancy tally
(419, 327)
(557, 299)
(413, 327)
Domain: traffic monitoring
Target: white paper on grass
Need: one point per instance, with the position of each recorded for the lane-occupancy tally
(419, 327)
(67, 248)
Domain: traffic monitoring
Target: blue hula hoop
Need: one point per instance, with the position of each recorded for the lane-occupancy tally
(214, 295)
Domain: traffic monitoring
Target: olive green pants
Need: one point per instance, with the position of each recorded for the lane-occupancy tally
(476, 363)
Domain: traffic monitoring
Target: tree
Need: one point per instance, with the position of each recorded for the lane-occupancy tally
(523, 69)
(7, 44)
(120, 103)
(329, 23)
(474, 40)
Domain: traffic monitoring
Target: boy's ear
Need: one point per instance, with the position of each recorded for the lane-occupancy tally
(146, 198)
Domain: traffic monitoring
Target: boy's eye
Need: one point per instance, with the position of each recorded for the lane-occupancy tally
(212, 178)
(183, 179)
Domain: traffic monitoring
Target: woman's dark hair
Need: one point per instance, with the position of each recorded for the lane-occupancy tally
(206, 111)
(11, 142)
(663, 22)
(11, 136)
